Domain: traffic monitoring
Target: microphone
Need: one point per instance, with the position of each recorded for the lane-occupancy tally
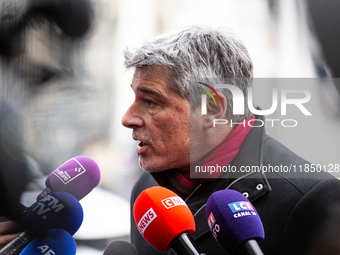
(77, 176)
(58, 210)
(74, 17)
(54, 241)
(120, 247)
(165, 221)
(234, 222)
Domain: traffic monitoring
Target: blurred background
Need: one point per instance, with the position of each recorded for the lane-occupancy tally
(67, 92)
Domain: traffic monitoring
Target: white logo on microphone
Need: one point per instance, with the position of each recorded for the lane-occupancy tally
(46, 250)
(145, 221)
(65, 172)
(173, 201)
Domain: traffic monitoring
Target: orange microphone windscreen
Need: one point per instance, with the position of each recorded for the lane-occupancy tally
(161, 215)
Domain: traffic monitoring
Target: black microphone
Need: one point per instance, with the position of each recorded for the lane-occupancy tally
(74, 17)
(10, 41)
(120, 247)
(234, 223)
(58, 210)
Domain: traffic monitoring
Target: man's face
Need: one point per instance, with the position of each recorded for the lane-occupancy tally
(160, 120)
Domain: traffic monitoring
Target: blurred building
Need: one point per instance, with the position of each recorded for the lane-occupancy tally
(71, 93)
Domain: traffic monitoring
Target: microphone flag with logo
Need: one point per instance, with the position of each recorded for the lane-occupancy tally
(161, 216)
(233, 220)
(58, 210)
(77, 176)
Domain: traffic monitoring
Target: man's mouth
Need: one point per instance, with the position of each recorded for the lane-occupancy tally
(140, 148)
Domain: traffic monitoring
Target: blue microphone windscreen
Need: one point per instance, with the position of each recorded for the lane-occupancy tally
(54, 241)
(58, 210)
(233, 219)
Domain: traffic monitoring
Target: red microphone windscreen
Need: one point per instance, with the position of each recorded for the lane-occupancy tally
(161, 215)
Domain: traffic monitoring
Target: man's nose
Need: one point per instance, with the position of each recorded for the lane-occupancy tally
(132, 118)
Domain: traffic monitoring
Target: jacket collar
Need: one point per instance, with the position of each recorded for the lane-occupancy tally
(252, 185)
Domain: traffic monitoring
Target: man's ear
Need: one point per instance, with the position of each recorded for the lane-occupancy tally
(215, 110)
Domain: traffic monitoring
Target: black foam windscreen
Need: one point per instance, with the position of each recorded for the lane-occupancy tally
(325, 19)
(74, 17)
(120, 247)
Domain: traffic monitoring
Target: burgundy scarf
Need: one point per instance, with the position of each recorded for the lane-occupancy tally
(221, 155)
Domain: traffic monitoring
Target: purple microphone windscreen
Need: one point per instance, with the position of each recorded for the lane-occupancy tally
(58, 210)
(232, 219)
(54, 241)
(77, 176)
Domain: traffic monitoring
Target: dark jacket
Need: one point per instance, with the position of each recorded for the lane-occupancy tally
(292, 206)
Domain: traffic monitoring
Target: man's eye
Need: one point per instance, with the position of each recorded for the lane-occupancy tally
(150, 103)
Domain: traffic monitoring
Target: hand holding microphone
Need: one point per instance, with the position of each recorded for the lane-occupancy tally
(165, 221)
(77, 176)
(9, 229)
(234, 222)
(58, 210)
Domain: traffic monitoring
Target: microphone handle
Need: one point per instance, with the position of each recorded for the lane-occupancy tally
(27, 209)
(17, 244)
(250, 247)
(184, 245)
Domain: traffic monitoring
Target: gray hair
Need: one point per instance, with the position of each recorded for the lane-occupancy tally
(198, 53)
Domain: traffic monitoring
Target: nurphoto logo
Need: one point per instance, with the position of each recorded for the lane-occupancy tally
(238, 101)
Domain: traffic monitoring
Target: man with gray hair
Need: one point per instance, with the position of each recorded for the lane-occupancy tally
(177, 135)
